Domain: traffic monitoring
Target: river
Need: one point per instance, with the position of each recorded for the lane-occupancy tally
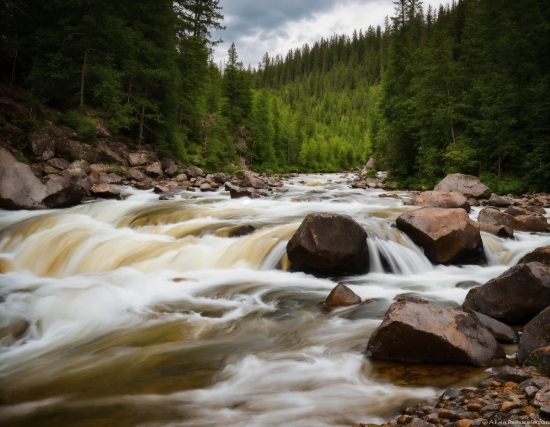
(144, 313)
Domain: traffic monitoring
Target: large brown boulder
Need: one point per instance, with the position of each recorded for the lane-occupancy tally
(19, 187)
(329, 243)
(427, 333)
(448, 236)
(514, 297)
(468, 185)
(194, 172)
(534, 223)
(501, 331)
(535, 334)
(541, 254)
(441, 199)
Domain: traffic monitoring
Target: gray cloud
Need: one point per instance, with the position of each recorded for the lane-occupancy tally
(257, 26)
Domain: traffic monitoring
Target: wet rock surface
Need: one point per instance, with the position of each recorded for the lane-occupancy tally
(427, 333)
(448, 236)
(514, 297)
(342, 296)
(440, 199)
(329, 243)
(514, 396)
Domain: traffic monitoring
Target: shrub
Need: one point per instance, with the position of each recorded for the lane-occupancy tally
(84, 127)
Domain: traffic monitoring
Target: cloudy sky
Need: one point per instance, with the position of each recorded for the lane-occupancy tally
(275, 26)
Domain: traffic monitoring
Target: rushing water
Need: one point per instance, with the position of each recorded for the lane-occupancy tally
(145, 313)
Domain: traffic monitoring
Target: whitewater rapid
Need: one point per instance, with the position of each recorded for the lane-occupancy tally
(144, 312)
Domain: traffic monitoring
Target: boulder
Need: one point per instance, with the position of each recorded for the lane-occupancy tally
(501, 331)
(109, 178)
(105, 191)
(371, 164)
(154, 170)
(169, 166)
(532, 222)
(497, 230)
(500, 201)
(541, 254)
(250, 179)
(427, 333)
(194, 172)
(49, 170)
(448, 236)
(80, 164)
(342, 296)
(514, 297)
(205, 187)
(219, 178)
(63, 192)
(138, 159)
(517, 210)
(373, 183)
(42, 143)
(136, 175)
(181, 177)
(540, 359)
(359, 184)
(535, 334)
(58, 163)
(19, 187)
(238, 192)
(329, 243)
(440, 199)
(79, 177)
(159, 189)
(468, 185)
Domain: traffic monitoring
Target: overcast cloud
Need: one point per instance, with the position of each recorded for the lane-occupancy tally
(259, 26)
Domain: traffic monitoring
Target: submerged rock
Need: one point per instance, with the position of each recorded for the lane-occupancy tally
(514, 297)
(329, 243)
(468, 185)
(448, 236)
(427, 333)
(497, 230)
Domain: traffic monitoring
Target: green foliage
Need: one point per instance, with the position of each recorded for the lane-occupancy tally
(22, 159)
(84, 127)
(118, 171)
(371, 173)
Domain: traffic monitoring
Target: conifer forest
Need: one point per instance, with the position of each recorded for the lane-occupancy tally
(458, 88)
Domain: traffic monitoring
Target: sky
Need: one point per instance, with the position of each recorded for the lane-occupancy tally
(275, 26)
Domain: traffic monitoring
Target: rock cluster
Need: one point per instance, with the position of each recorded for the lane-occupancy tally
(510, 397)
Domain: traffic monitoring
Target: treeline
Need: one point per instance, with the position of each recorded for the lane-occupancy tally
(317, 101)
(467, 90)
(464, 88)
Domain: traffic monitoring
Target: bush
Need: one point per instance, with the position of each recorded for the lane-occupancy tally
(84, 127)
(371, 173)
